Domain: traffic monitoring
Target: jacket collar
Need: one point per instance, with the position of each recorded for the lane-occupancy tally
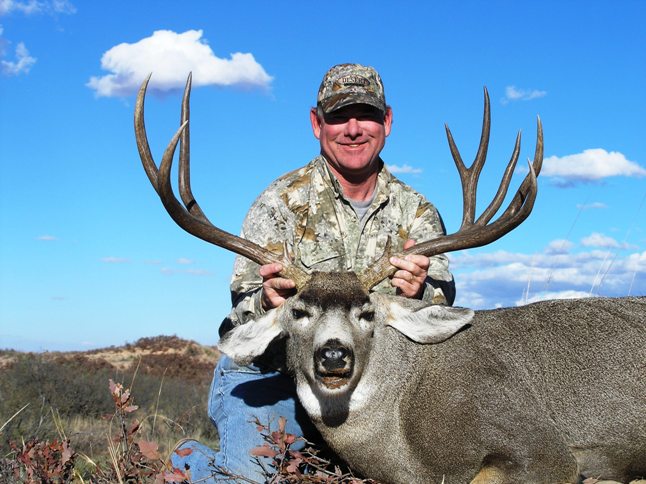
(384, 178)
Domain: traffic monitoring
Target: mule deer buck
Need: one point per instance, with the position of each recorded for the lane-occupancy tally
(408, 392)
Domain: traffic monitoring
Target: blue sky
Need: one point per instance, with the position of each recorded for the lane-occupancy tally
(88, 256)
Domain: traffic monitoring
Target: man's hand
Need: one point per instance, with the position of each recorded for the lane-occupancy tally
(409, 279)
(275, 289)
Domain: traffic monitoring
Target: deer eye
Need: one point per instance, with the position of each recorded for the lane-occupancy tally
(367, 315)
(299, 313)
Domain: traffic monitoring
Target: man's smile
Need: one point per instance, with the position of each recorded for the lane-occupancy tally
(353, 145)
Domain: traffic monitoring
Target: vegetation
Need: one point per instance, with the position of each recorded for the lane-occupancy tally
(62, 417)
(115, 414)
(282, 464)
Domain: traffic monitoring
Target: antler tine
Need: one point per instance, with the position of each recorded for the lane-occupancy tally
(529, 184)
(493, 207)
(183, 216)
(515, 213)
(184, 173)
(142, 138)
(469, 176)
(481, 232)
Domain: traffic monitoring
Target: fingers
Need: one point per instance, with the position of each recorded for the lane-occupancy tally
(406, 289)
(270, 270)
(279, 284)
(408, 244)
(271, 278)
(275, 289)
(411, 274)
(407, 284)
(415, 264)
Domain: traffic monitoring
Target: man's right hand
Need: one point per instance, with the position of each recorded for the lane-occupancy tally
(275, 289)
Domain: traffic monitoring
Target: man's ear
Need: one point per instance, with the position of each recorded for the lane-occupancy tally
(246, 342)
(388, 120)
(430, 324)
(316, 123)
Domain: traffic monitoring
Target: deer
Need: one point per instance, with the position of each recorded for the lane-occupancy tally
(409, 392)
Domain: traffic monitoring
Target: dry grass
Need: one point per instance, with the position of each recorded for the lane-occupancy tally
(47, 399)
(61, 423)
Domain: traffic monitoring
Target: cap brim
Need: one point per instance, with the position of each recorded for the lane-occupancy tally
(347, 99)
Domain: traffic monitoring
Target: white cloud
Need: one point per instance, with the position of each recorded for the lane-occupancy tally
(21, 65)
(591, 165)
(484, 260)
(512, 93)
(470, 298)
(115, 260)
(168, 271)
(397, 170)
(170, 57)
(636, 263)
(32, 7)
(47, 238)
(591, 206)
(488, 280)
(23, 61)
(596, 239)
(28, 8)
(63, 6)
(559, 247)
(184, 260)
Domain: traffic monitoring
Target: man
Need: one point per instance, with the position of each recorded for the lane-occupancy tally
(334, 214)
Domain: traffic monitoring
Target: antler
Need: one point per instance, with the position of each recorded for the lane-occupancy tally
(480, 232)
(189, 216)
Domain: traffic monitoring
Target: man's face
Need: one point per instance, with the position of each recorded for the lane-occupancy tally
(352, 137)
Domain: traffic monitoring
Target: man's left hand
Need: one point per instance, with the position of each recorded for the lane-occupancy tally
(411, 274)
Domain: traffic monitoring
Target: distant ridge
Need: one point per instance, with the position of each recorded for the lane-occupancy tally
(169, 356)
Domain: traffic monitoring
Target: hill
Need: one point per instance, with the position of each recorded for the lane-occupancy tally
(168, 356)
(70, 397)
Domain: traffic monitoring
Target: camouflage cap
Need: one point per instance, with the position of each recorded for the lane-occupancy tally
(346, 84)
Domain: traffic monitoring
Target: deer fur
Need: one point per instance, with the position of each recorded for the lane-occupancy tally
(414, 393)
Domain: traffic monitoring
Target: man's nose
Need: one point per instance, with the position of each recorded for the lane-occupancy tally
(353, 128)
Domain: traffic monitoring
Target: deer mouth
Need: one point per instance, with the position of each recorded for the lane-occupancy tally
(334, 379)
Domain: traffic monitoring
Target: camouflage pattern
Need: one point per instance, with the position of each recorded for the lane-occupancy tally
(305, 210)
(346, 84)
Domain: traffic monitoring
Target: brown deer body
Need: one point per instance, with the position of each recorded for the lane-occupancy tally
(420, 394)
(408, 392)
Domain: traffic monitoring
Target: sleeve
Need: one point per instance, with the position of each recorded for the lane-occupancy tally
(440, 285)
(265, 226)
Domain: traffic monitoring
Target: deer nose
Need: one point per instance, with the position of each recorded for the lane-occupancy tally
(333, 356)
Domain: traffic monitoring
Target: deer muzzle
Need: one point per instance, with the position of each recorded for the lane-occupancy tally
(333, 364)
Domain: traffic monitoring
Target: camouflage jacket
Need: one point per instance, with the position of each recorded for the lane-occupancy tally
(305, 210)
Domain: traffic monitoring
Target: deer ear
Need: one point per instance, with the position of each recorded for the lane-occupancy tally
(246, 342)
(430, 324)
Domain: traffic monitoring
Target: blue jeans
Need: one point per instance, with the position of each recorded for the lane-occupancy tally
(238, 396)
